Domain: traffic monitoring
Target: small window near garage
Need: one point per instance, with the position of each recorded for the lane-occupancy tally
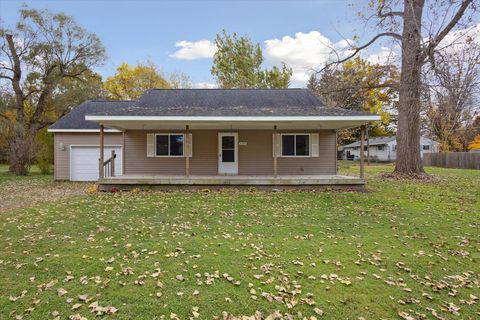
(426, 147)
(380, 148)
(169, 145)
(295, 145)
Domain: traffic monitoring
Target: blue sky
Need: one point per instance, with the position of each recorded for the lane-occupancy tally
(134, 31)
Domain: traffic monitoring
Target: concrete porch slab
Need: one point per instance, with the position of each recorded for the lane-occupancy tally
(291, 181)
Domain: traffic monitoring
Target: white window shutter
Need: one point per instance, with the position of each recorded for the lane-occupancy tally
(150, 145)
(188, 145)
(277, 144)
(314, 148)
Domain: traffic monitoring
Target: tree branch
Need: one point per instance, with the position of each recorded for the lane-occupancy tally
(17, 76)
(358, 49)
(391, 14)
(6, 77)
(388, 14)
(442, 34)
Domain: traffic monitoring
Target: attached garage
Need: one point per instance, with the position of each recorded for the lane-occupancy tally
(84, 162)
(76, 143)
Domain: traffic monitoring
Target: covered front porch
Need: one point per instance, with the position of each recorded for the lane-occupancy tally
(127, 182)
(229, 153)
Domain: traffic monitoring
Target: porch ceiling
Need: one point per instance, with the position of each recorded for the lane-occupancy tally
(234, 124)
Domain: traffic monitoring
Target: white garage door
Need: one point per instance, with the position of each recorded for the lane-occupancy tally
(84, 162)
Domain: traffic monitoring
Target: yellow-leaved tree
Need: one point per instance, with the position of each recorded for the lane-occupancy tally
(129, 82)
(475, 144)
(360, 86)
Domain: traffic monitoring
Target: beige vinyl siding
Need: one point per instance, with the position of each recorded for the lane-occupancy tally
(62, 157)
(255, 158)
(204, 160)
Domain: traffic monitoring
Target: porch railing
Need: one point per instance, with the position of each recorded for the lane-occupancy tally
(107, 168)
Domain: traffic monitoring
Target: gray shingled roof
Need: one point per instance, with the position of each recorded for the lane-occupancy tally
(227, 102)
(372, 142)
(205, 102)
(75, 119)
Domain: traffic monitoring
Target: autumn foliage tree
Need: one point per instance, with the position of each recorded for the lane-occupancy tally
(38, 55)
(361, 86)
(475, 144)
(129, 83)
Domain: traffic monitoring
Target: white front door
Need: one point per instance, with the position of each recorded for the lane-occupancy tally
(227, 153)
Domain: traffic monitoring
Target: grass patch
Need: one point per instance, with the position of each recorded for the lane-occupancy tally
(34, 174)
(402, 248)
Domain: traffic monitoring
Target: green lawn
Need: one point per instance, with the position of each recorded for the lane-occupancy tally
(402, 249)
(34, 174)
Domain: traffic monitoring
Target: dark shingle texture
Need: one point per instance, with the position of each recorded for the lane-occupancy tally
(75, 119)
(228, 102)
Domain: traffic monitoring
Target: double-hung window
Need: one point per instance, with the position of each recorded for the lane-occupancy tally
(296, 145)
(169, 145)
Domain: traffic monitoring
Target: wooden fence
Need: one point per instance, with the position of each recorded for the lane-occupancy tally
(459, 160)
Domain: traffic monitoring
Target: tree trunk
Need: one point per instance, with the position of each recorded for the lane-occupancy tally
(21, 153)
(408, 132)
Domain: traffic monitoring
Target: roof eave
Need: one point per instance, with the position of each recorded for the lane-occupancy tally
(67, 130)
(101, 118)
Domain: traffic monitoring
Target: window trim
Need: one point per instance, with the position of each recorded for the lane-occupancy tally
(169, 156)
(295, 144)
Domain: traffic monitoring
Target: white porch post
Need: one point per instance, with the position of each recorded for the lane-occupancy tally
(368, 147)
(187, 151)
(362, 152)
(275, 151)
(101, 160)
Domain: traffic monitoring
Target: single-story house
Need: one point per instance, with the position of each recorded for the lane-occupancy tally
(384, 148)
(204, 137)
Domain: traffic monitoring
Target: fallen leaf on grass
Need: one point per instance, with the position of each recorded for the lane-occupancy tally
(76, 306)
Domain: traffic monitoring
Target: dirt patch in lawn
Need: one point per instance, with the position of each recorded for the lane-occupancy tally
(16, 194)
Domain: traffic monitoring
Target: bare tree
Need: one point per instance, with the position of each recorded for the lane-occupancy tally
(453, 85)
(43, 50)
(420, 26)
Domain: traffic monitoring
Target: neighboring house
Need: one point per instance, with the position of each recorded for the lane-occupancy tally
(205, 136)
(384, 148)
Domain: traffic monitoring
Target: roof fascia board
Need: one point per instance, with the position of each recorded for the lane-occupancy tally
(82, 130)
(236, 119)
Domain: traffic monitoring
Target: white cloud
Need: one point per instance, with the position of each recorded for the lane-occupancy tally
(205, 85)
(304, 52)
(386, 55)
(192, 50)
